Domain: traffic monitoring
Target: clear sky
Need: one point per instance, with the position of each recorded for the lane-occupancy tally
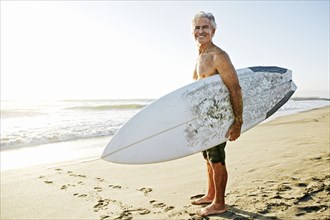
(145, 49)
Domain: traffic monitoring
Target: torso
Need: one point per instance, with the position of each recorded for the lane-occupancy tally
(205, 66)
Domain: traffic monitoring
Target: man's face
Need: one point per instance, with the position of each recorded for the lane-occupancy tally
(203, 31)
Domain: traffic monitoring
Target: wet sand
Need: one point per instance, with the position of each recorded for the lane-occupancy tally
(277, 170)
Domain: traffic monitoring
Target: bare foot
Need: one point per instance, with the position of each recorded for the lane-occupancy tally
(212, 210)
(203, 201)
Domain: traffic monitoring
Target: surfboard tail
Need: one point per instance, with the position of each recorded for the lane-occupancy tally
(283, 101)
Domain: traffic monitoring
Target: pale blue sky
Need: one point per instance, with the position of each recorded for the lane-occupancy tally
(107, 49)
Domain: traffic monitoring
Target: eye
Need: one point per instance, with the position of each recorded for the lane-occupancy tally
(205, 27)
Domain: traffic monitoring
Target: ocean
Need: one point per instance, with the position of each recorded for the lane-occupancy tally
(72, 129)
(25, 124)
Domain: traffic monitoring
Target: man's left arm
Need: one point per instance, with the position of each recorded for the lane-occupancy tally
(229, 77)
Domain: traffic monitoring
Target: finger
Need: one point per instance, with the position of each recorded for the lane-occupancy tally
(227, 134)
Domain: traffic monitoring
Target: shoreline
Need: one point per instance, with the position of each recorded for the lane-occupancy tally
(278, 170)
(68, 149)
(54, 153)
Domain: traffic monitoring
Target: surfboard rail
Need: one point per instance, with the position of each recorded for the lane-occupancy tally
(197, 116)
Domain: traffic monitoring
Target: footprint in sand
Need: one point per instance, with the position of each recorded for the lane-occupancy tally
(146, 191)
(67, 186)
(283, 187)
(80, 195)
(308, 209)
(194, 216)
(99, 179)
(98, 189)
(64, 187)
(157, 204)
(276, 206)
(128, 214)
(168, 208)
(300, 184)
(115, 186)
(101, 204)
(78, 175)
(125, 215)
(103, 217)
(304, 198)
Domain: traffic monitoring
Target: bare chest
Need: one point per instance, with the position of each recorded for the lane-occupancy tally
(205, 66)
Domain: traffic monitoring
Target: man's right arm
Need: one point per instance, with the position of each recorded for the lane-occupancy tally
(229, 77)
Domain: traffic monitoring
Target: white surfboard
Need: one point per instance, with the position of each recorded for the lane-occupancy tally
(196, 117)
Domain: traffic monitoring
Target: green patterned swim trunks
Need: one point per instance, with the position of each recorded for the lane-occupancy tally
(216, 154)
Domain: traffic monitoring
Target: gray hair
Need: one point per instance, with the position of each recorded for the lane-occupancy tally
(207, 15)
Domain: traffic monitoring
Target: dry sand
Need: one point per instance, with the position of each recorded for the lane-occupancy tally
(278, 170)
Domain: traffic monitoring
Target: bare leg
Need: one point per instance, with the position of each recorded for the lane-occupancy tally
(209, 197)
(220, 177)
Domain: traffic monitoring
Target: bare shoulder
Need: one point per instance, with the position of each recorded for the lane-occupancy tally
(220, 55)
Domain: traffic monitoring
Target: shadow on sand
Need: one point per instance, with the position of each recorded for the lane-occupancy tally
(238, 214)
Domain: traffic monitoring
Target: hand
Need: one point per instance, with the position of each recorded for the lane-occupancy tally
(234, 130)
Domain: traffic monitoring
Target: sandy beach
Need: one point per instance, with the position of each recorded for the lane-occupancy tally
(277, 170)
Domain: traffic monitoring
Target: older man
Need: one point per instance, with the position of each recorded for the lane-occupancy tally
(213, 60)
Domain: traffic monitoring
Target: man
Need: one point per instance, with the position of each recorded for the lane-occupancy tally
(213, 60)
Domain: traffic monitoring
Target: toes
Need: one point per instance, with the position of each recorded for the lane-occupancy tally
(211, 210)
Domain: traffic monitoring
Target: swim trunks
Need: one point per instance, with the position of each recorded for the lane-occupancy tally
(216, 154)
